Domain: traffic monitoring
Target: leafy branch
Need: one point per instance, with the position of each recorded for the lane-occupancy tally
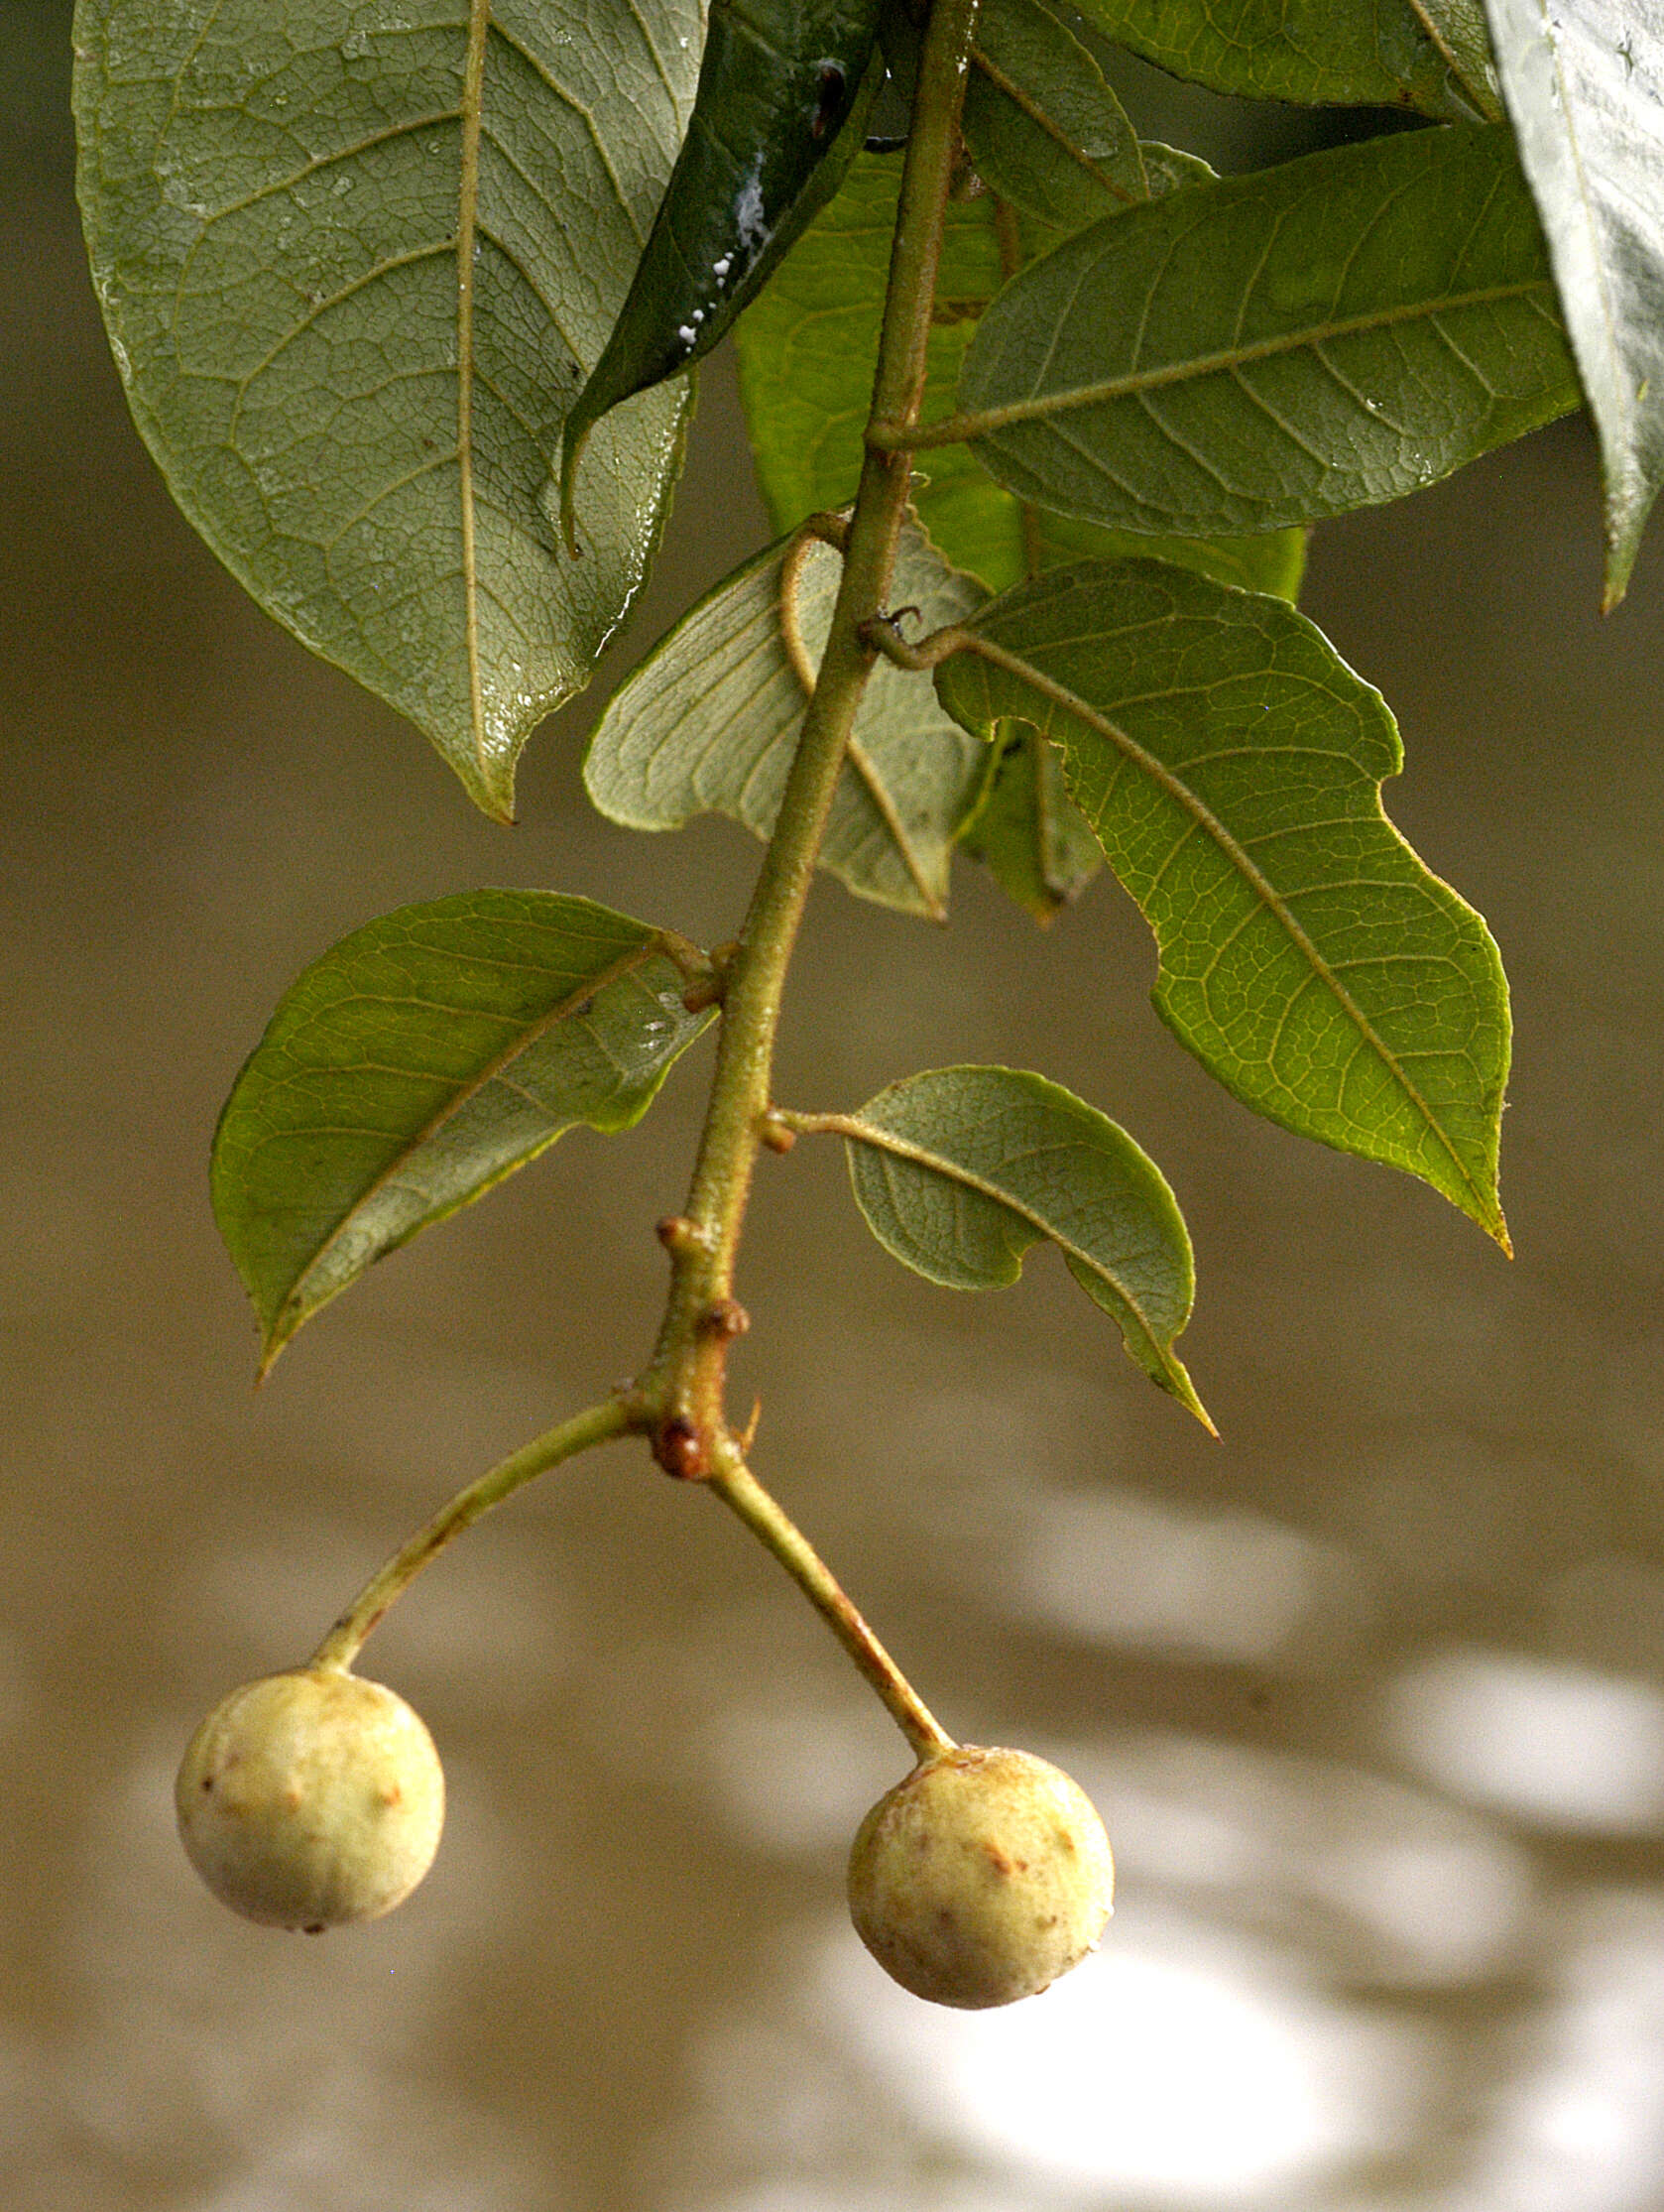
(407, 315)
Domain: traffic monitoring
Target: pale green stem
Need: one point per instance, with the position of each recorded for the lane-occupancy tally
(686, 1376)
(678, 1402)
(739, 1488)
(614, 1417)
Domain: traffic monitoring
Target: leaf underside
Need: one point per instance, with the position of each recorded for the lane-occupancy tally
(1585, 87)
(806, 353)
(709, 721)
(1028, 830)
(959, 1170)
(1230, 765)
(1273, 348)
(1041, 124)
(418, 1062)
(355, 257)
(1427, 55)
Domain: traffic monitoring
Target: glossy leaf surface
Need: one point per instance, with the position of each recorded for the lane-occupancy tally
(355, 257)
(1269, 349)
(1231, 764)
(709, 722)
(418, 1062)
(959, 1172)
(1585, 87)
(1428, 55)
(778, 117)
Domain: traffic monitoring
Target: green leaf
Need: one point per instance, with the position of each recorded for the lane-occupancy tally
(1458, 27)
(785, 86)
(809, 347)
(422, 1060)
(1585, 87)
(355, 257)
(806, 353)
(1026, 830)
(960, 1170)
(1231, 765)
(1273, 348)
(1042, 126)
(709, 723)
(1428, 55)
(1274, 560)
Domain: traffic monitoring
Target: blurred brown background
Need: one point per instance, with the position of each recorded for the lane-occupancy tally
(1372, 1693)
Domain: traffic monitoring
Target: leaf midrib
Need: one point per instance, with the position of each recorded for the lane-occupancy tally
(793, 575)
(1256, 881)
(1042, 119)
(1446, 54)
(467, 219)
(982, 422)
(587, 988)
(854, 1130)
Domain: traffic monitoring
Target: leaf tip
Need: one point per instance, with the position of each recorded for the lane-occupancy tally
(1156, 1356)
(491, 786)
(1620, 562)
(270, 1351)
(277, 1325)
(1628, 503)
(1174, 1377)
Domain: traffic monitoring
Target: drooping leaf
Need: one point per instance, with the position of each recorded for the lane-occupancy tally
(806, 353)
(355, 257)
(420, 1062)
(1427, 55)
(1585, 87)
(1028, 830)
(785, 86)
(708, 724)
(1043, 128)
(1273, 348)
(958, 1172)
(1231, 766)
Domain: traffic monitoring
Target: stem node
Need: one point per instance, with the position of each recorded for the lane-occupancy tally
(678, 1447)
(725, 1320)
(776, 1135)
(680, 1236)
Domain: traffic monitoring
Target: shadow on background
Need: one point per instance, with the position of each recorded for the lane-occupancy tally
(1371, 1694)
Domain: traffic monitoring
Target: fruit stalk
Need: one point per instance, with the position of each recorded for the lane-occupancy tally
(597, 1424)
(740, 1489)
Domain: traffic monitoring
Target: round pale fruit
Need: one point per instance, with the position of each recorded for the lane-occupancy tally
(981, 1878)
(311, 1799)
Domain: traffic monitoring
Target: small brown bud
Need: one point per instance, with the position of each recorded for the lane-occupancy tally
(677, 1448)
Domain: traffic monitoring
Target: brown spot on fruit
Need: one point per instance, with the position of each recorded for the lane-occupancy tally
(920, 1887)
(338, 1804)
